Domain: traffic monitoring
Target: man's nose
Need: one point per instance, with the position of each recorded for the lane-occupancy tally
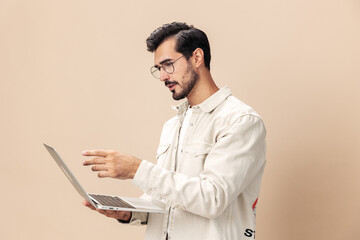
(163, 75)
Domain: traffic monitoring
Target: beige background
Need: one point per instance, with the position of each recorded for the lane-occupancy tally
(75, 75)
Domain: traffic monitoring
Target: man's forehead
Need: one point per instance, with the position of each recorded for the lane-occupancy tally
(166, 50)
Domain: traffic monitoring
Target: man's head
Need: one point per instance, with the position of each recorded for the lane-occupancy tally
(188, 38)
(179, 49)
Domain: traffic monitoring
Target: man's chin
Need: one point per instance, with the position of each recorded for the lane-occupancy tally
(177, 96)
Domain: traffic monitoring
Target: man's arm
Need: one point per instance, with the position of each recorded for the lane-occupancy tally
(112, 163)
(108, 165)
(234, 161)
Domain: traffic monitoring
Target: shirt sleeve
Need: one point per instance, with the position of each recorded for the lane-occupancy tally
(233, 162)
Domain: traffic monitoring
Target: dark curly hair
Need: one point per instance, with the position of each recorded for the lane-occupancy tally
(188, 38)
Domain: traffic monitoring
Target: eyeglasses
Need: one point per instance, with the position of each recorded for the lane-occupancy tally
(167, 66)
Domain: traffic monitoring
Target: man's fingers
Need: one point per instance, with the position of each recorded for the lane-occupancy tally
(103, 174)
(100, 153)
(94, 161)
(87, 204)
(97, 168)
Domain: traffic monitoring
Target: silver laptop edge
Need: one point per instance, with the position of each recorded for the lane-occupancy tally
(68, 173)
(82, 192)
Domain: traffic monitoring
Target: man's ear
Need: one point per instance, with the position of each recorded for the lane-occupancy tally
(198, 57)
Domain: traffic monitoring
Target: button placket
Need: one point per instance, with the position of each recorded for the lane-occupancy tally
(189, 132)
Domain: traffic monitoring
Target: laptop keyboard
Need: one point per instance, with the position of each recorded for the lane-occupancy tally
(111, 201)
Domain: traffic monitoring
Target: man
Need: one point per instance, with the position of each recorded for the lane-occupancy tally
(211, 155)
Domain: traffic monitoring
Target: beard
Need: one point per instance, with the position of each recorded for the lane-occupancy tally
(188, 85)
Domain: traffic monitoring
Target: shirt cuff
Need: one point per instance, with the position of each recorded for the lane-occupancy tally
(145, 176)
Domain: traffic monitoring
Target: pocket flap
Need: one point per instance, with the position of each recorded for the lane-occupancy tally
(197, 149)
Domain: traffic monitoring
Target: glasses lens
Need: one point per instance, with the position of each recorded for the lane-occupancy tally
(155, 72)
(168, 67)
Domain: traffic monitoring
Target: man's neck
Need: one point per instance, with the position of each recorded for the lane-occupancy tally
(203, 89)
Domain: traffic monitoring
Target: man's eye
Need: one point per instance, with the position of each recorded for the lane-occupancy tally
(166, 64)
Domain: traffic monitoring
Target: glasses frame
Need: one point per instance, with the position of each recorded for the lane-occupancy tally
(155, 69)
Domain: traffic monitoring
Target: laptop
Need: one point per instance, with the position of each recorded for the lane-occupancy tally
(107, 202)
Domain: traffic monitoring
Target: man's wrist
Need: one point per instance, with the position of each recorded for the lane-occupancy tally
(136, 167)
(125, 220)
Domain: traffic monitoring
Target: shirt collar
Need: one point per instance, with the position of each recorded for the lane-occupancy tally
(209, 104)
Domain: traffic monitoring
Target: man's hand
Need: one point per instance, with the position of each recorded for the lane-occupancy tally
(112, 164)
(121, 215)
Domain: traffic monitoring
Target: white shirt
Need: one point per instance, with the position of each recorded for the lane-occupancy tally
(213, 190)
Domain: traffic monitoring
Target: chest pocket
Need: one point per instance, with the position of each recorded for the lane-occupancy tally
(193, 158)
(161, 154)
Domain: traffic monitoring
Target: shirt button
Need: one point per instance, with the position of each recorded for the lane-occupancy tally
(191, 124)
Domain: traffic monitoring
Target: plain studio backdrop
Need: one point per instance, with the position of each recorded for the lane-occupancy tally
(75, 75)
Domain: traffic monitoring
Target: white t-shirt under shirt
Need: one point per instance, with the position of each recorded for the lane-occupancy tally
(183, 129)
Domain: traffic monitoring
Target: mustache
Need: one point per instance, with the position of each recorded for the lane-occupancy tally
(167, 82)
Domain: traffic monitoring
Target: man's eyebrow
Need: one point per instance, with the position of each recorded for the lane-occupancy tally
(166, 60)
